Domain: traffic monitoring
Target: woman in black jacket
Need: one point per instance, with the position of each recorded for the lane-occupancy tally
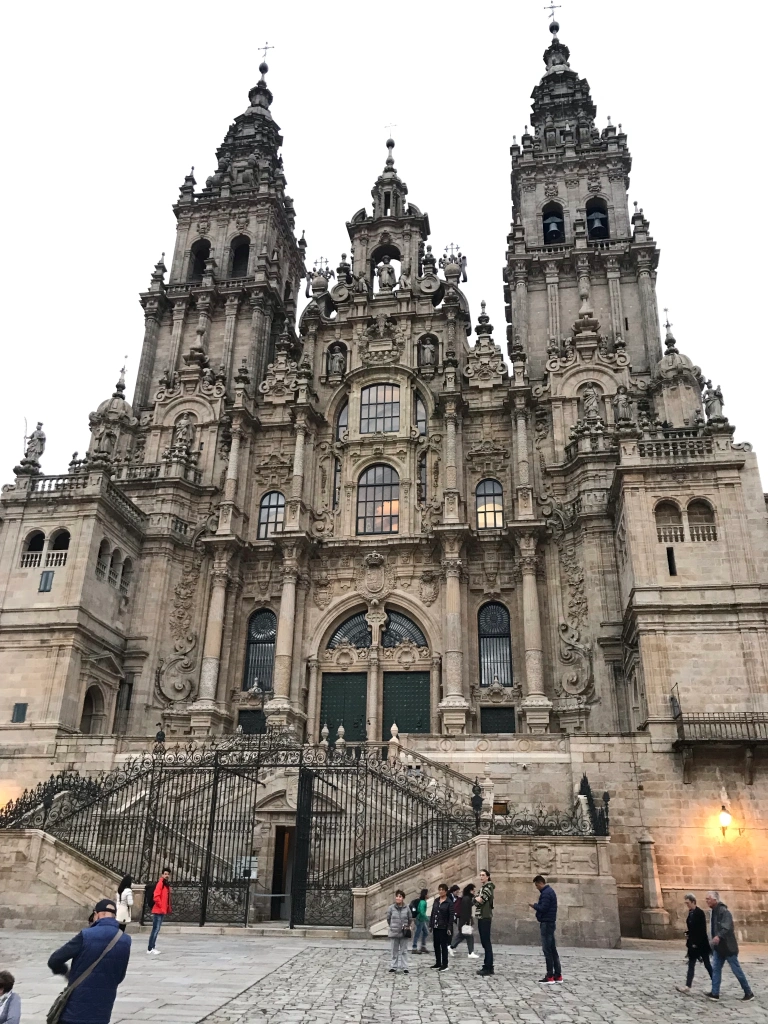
(463, 911)
(696, 941)
(440, 924)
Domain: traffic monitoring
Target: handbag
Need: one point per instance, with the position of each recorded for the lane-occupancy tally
(59, 1004)
(407, 933)
(466, 929)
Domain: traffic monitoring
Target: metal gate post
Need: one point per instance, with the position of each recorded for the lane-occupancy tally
(150, 827)
(301, 857)
(209, 846)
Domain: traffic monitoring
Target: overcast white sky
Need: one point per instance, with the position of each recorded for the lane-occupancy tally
(107, 106)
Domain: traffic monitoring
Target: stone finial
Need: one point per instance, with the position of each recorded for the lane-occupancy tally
(341, 743)
(324, 732)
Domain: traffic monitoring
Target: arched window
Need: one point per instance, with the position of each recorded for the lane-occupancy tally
(260, 653)
(239, 251)
(420, 415)
(553, 224)
(669, 522)
(354, 630)
(198, 254)
(378, 500)
(93, 717)
(102, 560)
(271, 514)
(380, 408)
(489, 505)
(399, 628)
(421, 495)
(32, 554)
(126, 576)
(495, 644)
(701, 521)
(597, 220)
(342, 420)
(58, 546)
(115, 568)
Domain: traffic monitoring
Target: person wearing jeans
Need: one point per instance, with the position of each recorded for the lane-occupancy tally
(546, 915)
(484, 921)
(421, 920)
(161, 905)
(725, 948)
(696, 942)
(463, 907)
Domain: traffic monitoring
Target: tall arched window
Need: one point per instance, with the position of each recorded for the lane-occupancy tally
(32, 554)
(400, 628)
(271, 514)
(380, 408)
(597, 220)
(489, 504)
(701, 521)
(102, 560)
(495, 644)
(378, 500)
(115, 568)
(126, 576)
(260, 652)
(57, 549)
(420, 415)
(239, 251)
(354, 630)
(553, 224)
(199, 253)
(342, 420)
(669, 522)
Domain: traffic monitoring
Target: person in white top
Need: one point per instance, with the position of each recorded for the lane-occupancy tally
(124, 902)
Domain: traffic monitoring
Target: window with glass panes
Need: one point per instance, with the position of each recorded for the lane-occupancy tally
(489, 505)
(260, 653)
(495, 644)
(380, 408)
(378, 501)
(271, 514)
(342, 421)
(420, 415)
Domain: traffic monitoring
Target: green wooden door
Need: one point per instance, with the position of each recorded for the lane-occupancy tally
(343, 703)
(406, 702)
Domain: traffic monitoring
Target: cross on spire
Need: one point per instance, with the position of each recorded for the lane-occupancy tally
(667, 324)
(389, 128)
(452, 247)
(552, 8)
(265, 47)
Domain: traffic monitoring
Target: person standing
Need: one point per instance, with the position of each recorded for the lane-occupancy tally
(696, 941)
(463, 915)
(10, 1003)
(421, 920)
(99, 956)
(399, 919)
(124, 902)
(161, 905)
(725, 948)
(440, 923)
(546, 915)
(485, 902)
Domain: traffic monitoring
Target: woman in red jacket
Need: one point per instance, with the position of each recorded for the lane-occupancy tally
(161, 905)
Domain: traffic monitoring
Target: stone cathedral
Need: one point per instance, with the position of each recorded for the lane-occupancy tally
(371, 521)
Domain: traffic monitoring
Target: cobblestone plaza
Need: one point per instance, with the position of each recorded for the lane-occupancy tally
(223, 979)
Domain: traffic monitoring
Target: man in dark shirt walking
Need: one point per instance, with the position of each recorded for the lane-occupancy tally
(546, 915)
(92, 1000)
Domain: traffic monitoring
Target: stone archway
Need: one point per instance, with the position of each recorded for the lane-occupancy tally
(94, 716)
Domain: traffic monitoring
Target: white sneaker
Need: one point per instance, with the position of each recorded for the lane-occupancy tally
(450, 951)
(154, 952)
(473, 956)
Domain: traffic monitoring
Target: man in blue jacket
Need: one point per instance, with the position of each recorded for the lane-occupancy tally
(546, 915)
(92, 1001)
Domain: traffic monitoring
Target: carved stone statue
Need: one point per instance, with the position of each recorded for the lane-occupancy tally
(622, 404)
(337, 361)
(591, 400)
(427, 352)
(361, 284)
(184, 432)
(35, 444)
(404, 280)
(713, 402)
(386, 273)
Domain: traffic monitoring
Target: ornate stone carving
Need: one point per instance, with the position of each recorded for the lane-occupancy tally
(429, 586)
(574, 575)
(274, 469)
(375, 578)
(406, 654)
(487, 457)
(281, 381)
(485, 363)
(382, 342)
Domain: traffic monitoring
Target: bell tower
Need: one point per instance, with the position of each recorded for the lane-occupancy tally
(573, 248)
(236, 265)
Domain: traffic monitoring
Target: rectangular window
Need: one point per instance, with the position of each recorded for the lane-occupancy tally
(19, 713)
(671, 562)
(46, 582)
(252, 723)
(380, 408)
(498, 719)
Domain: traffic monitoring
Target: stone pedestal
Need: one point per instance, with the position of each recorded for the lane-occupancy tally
(654, 919)
(536, 710)
(207, 718)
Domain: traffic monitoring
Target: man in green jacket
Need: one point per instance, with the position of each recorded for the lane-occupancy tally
(485, 902)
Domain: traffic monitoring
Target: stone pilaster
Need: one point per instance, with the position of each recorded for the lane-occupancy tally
(206, 715)
(536, 705)
(230, 324)
(180, 307)
(454, 705)
(552, 277)
(523, 487)
(279, 709)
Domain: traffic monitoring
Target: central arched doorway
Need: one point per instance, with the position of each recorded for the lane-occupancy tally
(395, 687)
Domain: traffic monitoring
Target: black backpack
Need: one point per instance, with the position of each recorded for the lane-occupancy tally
(413, 906)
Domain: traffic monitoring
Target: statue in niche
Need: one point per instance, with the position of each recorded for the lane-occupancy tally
(427, 352)
(713, 402)
(35, 444)
(361, 284)
(386, 273)
(184, 432)
(622, 404)
(337, 361)
(591, 403)
(404, 281)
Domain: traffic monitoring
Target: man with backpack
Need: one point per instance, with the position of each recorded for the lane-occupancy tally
(420, 917)
(161, 905)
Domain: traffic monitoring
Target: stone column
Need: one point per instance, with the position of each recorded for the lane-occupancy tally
(434, 695)
(524, 489)
(230, 323)
(279, 709)
(648, 308)
(228, 504)
(373, 716)
(257, 356)
(613, 272)
(298, 461)
(536, 705)
(521, 302)
(654, 919)
(451, 510)
(205, 712)
(141, 395)
(553, 304)
(313, 702)
(179, 316)
(454, 705)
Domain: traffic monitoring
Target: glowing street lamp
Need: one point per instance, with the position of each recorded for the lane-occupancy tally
(725, 819)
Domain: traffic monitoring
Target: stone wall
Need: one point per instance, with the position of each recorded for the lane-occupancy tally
(45, 884)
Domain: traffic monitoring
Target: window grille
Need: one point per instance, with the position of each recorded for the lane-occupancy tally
(354, 631)
(399, 628)
(489, 504)
(380, 408)
(271, 514)
(378, 501)
(260, 653)
(495, 644)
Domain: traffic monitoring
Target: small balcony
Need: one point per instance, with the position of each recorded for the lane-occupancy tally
(31, 559)
(710, 730)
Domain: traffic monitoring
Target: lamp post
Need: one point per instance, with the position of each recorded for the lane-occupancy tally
(477, 803)
(725, 820)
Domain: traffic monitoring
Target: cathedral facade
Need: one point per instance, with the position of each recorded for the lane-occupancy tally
(368, 521)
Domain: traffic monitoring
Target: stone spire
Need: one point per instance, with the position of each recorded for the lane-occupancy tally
(390, 191)
(562, 99)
